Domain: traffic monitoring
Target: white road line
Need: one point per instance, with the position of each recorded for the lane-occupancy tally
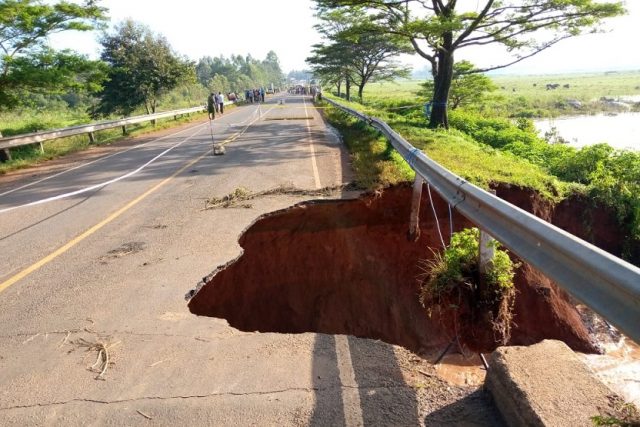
(95, 161)
(314, 164)
(350, 388)
(103, 184)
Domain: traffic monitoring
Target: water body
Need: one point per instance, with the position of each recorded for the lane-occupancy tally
(620, 131)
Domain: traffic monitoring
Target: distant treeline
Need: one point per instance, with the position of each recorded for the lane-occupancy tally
(137, 71)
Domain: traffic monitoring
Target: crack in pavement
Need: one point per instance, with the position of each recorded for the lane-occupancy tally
(201, 396)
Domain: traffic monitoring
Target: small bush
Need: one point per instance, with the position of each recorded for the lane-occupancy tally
(453, 280)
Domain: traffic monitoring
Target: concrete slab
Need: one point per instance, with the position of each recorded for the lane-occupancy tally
(546, 384)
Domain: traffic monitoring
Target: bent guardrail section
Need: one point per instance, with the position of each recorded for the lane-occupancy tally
(608, 285)
(35, 137)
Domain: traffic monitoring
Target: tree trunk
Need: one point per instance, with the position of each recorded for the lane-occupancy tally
(441, 87)
(5, 154)
(339, 86)
(360, 90)
(348, 89)
(153, 111)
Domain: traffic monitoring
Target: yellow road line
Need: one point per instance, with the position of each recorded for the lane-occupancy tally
(24, 273)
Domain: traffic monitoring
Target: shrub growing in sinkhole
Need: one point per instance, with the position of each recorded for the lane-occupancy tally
(452, 281)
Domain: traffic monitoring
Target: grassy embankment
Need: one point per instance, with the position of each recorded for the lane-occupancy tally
(26, 156)
(487, 148)
(54, 114)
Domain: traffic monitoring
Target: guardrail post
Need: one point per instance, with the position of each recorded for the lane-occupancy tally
(486, 252)
(5, 154)
(414, 221)
(92, 138)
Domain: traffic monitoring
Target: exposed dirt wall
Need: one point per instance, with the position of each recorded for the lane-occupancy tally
(346, 267)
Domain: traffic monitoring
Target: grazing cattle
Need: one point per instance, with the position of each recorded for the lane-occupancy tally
(551, 86)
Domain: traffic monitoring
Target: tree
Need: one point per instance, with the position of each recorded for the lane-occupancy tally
(239, 73)
(438, 28)
(356, 49)
(27, 64)
(142, 67)
(467, 88)
(330, 64)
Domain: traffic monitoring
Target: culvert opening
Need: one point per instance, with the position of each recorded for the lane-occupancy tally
(346, 267)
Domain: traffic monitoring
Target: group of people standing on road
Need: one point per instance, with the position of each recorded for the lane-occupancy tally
(254, 95)
(215, 104)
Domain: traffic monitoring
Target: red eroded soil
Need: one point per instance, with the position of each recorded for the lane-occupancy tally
(346, 267)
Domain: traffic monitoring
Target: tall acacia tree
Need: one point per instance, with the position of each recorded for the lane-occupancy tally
(438, 28)
(142, 67)
(356, 49)
(27, 63)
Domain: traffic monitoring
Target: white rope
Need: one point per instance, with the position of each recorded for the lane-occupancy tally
(450, 223)
(435, 215)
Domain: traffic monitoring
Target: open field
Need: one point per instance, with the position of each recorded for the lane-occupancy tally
(527, 96)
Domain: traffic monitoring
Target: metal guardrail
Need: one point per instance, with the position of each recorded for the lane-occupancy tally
(608, 285)
(36, 137)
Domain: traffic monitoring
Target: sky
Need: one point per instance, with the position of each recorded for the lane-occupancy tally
(197, 28)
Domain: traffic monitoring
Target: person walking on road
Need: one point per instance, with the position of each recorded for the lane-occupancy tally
(211, 106)
(221, 102)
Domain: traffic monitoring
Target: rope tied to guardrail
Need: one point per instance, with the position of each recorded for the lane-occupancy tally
(411, 158)
(435, 216)
(428, 105)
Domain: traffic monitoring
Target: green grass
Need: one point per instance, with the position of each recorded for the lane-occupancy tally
(377, 164)
(488, 150)
(518, 97)
(27, 121)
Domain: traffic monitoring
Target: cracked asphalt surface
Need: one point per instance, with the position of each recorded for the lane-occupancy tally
(112, 265)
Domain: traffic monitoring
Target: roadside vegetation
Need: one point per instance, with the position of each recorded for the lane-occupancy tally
(29, 155)
(481, 129)
(452, 281)
(493, 150)
(138, 73)
(527, 96)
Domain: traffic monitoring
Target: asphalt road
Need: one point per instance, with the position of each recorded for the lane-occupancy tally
(101, 247)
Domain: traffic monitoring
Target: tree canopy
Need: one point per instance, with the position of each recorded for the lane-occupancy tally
(27, 64)
(355, 49)
(238, 73)
(143, 66)
(438, 28)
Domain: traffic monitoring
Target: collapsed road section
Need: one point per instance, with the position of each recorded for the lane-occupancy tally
(346, 267)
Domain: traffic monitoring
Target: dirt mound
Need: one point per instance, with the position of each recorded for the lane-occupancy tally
(346, 267)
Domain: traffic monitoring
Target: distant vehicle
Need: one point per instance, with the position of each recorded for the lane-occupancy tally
(269, 91)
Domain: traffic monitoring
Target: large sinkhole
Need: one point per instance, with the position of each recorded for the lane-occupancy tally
(347, 267)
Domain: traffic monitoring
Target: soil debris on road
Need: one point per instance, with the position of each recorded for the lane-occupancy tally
(240, 195)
